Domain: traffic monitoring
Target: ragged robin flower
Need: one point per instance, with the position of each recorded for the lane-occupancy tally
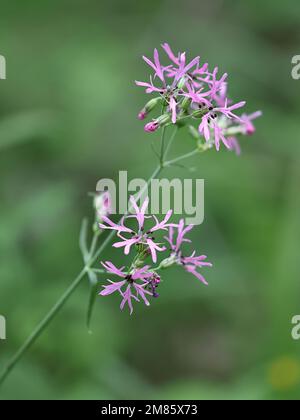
(140, 236)
(176, 240)
(189, 93)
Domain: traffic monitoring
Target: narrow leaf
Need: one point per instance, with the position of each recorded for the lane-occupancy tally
(83, 239)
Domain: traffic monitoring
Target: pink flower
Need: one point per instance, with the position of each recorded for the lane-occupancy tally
(176, 243)
(156, 66)
(247, 124)
(188, 90)
(219, 136)
(227, 110)
(150, 88)
(136, 283)
(234, 145)
(113, 226)
(211, 127)
(184, 68)
(140, 236)
(170, 91)
(197, 96)
(127, 298)
(192, 263)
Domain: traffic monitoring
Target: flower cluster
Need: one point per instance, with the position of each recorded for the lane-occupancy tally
(189, 92)
(141, 280)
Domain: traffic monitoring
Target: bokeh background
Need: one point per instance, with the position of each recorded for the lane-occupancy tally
(68, 118)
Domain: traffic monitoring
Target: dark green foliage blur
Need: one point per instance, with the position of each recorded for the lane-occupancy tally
(68, 118)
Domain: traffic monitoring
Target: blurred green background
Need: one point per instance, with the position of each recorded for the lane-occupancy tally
(68, 118)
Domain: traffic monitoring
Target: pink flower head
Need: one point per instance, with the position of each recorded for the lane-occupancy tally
(248, 127)
(181, 231)
(227, 110)
(213, 126)
(176, 241)
(133, 287)
(189, 90)
(173, 89)
(140, 236)
(234, 145)
(197, 96)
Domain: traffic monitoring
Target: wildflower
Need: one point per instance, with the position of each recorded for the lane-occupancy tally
(170, 92)
(139, 237)
(133, 287)
(188, 90)
(234, 145)
(176, 241)
(248, 127)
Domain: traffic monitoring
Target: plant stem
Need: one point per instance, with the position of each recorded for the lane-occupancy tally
(162, 150)
(43, 324)
(187, 155)
(170, 142)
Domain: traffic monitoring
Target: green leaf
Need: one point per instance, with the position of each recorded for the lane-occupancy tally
(83, 240)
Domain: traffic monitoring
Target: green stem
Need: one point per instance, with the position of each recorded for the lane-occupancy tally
(162, 150)
(170, 142)
(186, 156)
(43, 324)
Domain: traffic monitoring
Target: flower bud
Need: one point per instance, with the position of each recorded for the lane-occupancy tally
(142, 114)
(181, 83)
(102, 205)
(199, 113)
(159, 122)
(151, 126)
(185, 104)
(168, 262)
(164, 119)
(149, 107)
(249, 129)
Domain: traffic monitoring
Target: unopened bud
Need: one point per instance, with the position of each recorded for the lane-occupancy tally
(185, 104)
(151, 126)
(102, 205)
(199, 113)
(159, 122)
(181, 83)
(164, 119)
(149, 107)
(168, 262)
